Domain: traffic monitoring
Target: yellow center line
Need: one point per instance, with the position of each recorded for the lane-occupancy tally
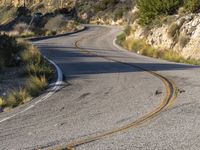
(167, 101)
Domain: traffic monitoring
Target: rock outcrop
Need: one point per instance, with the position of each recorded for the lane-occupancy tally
(181, 35)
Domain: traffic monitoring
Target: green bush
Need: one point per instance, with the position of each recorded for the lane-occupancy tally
(42, 69)
(192, 5)
(118, 13)
(35, 64)
(104, 4)
(31, 55)
(8, 50)
(127, 30)
(23, 11)
(121, 38)
(150, 9)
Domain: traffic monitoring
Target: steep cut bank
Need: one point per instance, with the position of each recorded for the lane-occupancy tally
(180, 35)
(169, 26)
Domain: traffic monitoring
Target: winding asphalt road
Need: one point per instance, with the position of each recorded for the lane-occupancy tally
(110, 99)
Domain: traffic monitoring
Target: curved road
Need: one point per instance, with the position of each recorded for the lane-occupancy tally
(104, 90)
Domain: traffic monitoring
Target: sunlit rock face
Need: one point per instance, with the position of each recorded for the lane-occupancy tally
(185, 40)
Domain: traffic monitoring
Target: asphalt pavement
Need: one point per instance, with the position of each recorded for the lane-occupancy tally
(105, 89)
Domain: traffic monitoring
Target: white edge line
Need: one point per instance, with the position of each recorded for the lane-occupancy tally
(55, 88)
(120, 47)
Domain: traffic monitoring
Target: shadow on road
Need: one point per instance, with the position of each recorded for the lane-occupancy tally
(75, 63)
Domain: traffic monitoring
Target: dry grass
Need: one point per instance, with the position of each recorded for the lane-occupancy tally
(7, 14)
(35, 85)
(30, 54)
(140, 46)
(39, 72)
(17, 97)
(39, 69)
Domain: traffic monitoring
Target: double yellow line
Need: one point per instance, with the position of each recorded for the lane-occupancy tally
(168, 100)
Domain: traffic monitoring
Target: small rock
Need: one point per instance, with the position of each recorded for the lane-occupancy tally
(158, 92)
(181, 91)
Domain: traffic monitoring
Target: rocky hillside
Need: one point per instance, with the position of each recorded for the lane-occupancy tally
(176, 29)
(87, 10)
(167, 24)
(181, 35)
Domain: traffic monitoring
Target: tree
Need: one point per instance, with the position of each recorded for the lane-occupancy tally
(149, 9)
(192, 5)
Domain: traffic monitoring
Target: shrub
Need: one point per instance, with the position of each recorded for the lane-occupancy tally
(149, 9)
(36, 84)
(182, 11)
(30, 55)
(131, 17)
(39, 72)
(192, 5)
(62, 11)
(121, 38)
(39, 69)
(21, 27)
(17, 97)
(8, 50)
(49, 33)
(104, 4)
(23, 11)
(118, 13)
(140, 46)
(183, 40)
(55, 23)
(35, 64)
(173, 30)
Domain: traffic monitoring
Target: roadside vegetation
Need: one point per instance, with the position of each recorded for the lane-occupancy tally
(155, 13)
(152, 10)
(37, 71)
(27, 22)
(142, 48)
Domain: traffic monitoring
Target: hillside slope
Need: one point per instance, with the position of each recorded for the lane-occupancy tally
(86, 10)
